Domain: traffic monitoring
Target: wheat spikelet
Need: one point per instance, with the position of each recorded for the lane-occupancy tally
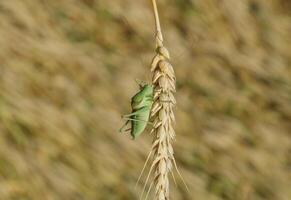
(163, 116)
(162, 113)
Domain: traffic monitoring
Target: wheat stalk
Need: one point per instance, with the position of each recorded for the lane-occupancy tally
(163, 116)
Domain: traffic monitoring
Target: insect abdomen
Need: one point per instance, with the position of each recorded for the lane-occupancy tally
(137, 127)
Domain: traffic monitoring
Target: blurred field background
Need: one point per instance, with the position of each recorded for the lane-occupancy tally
(67, 71)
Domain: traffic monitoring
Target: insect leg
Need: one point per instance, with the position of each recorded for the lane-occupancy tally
(121, 129)
(131, 114)
(138, 120)
(149, 98)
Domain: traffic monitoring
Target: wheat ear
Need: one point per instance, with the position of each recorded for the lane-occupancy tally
(162, 114)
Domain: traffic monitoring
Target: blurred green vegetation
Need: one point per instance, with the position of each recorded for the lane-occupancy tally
(67, 71)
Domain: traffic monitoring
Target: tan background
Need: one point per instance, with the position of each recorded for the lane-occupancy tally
(67, 71)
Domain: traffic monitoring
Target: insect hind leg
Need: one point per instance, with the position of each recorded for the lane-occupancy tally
(121, 130)
(138, 120)
(131, 114)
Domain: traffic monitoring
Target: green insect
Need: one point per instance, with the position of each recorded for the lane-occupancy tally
(141, 104)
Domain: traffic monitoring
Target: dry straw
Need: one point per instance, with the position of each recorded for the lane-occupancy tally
(162, 114)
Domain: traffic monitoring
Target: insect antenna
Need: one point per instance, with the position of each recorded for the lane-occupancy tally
(140, 82)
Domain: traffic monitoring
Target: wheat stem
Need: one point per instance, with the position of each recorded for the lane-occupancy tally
(159, 35)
